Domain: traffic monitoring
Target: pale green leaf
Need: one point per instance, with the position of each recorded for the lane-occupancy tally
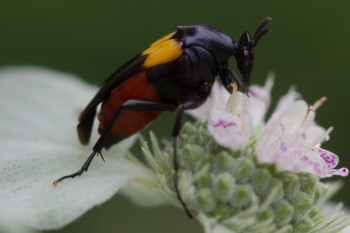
(38, 141)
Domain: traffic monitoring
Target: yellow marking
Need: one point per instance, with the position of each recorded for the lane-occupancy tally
(162, 51)
(156, 43)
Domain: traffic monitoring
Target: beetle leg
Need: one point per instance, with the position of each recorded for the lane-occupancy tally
(78, 173)
(239, 82)
(140, 105)
(133, 105)
(228, 76)
(175, 134)
(226, 80)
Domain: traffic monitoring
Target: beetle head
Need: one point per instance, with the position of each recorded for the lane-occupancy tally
(245, 50)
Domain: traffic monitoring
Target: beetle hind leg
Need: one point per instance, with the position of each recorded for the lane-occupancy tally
(110, 139)
(84, 168)
(107, 139)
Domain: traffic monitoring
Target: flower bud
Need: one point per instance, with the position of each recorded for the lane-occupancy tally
(223, 162)
(261, 180)
(223, 186)
(241, 195)
(275, 192)
(188, 129)
(314, 212)
(204, 181)
(223, 210)
(205, 199)
(266, 216)
(243, 169)
(302, 204)
(283, 213)
(305, 225)
(291, 184)
(191, 154)
(201, 137)
(320, 191)
(307, 183)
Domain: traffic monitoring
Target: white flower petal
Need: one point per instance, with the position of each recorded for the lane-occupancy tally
(28, 169)
(39, 144)
(285, 101)
(232, 127)
(230, 130)
(260, 99)
(322, 162)
(294, 115)
(217, 99)
(291, 140)
(9, 224)
(32, 99)
(346, 230)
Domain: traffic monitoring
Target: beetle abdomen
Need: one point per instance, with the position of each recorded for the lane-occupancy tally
(128, 122)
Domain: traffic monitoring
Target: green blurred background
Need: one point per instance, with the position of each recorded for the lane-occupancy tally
(309, 47)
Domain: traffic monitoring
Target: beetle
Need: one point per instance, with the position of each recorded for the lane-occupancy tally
(175, 72)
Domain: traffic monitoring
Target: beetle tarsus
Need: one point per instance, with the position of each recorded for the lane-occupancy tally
(84, 168)
(100, 154)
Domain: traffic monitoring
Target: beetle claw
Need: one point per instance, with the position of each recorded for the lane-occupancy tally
(100, 154)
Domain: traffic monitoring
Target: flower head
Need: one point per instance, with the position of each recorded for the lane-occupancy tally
(290, 139)
(269, 172)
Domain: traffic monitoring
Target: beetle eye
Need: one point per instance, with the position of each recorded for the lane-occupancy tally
(245, 41)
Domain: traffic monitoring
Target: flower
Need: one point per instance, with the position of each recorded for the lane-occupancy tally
(290, 139)
(273, 170)
(233, 192)
(232, 126)
(218, 98)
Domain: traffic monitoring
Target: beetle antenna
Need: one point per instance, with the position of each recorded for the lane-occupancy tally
(261, 34)
(260, 31)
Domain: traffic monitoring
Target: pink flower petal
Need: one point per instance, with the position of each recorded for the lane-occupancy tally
(291, 140)
(230, 130)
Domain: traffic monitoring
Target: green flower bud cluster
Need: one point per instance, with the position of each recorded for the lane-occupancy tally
(236, 190)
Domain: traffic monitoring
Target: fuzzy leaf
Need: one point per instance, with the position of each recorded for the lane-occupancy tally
(38, 141)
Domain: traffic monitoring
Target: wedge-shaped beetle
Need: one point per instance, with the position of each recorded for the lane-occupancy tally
(175, 72)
